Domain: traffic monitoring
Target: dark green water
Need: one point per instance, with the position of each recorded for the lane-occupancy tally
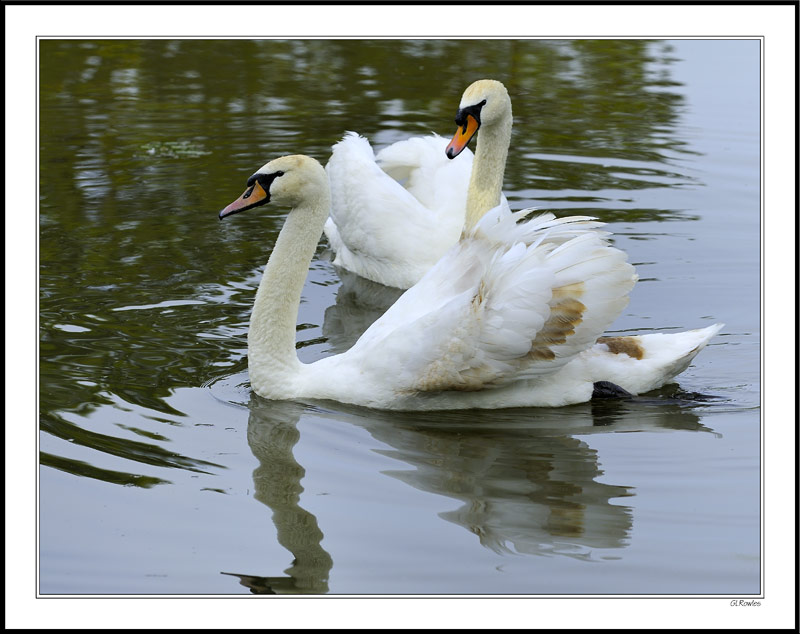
(160, 472)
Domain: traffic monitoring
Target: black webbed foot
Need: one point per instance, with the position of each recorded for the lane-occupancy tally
(607, 389)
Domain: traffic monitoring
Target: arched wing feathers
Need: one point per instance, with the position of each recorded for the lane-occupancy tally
(511, 301)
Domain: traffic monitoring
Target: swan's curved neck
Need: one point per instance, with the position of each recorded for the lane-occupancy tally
(272, 357)
(488, 167)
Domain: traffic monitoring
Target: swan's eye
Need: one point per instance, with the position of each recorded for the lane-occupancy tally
(264, 179)
(474, 111)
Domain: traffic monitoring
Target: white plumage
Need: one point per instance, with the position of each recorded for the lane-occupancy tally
(509, 316)
(395, 214)
(388, 231)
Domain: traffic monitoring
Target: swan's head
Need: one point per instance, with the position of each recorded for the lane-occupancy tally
(484, 103)
(285, 180)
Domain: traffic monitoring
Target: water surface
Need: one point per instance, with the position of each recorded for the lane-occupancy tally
(162, 474)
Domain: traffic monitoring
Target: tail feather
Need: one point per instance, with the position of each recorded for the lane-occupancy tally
(641, 363)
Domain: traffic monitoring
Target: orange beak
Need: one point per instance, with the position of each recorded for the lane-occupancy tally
(252, 197)
(462, 137)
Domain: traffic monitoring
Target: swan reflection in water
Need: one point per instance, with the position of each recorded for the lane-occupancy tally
(527, 482)
(272, 434)
(359, 302)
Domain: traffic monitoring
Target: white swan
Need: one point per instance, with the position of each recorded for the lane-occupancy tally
(392, 233)
(485, 109)
(510, 316)
(387, 232)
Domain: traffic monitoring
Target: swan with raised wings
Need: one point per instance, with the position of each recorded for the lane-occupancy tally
(392, 233)
(510, 316)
